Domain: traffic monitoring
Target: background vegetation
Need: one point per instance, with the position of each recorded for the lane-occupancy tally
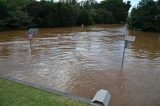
(47, 13)
(146, 16)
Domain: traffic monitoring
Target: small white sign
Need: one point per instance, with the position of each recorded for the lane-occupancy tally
(34, 31)
(30, 36)
(130, 38)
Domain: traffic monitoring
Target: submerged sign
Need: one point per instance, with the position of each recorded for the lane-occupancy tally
(30, 36)
(32, 32)
(127, 39)
(130, 38)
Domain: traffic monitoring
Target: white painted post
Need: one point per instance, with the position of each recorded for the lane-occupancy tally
(82, 26)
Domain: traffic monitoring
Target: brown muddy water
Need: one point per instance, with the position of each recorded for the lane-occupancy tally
(82, 62)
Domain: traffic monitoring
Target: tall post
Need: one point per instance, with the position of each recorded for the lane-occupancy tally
(124, 50)
(31, 33)
(127, 39)
(30, 38)
(82, 26)
(30, 41)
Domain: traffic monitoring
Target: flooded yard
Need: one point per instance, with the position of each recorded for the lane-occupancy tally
(80, 62)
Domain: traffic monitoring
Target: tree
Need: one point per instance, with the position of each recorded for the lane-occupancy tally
(103, 17)
(4, 13)
(47, 13)
(84, 18)
(118, 9)
(18, 19)
(145, 16)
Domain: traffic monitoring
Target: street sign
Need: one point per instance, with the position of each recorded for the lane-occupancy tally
(34, 31)
(31, 33)
(30, 36)
(127, 39)
(130, 38)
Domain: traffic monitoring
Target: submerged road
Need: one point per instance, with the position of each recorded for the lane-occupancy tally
(80, 62)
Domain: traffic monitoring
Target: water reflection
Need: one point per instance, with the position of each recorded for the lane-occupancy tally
(82, 62)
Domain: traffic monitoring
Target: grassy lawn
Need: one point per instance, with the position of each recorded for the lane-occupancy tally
(14, 94)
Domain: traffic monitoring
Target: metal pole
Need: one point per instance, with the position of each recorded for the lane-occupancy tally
(124, 53)
(30, 41)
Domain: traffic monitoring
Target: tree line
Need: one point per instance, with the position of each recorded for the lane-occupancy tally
(146, 16)
(21, 14)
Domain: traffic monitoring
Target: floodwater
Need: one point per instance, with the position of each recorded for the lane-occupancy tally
(80, 62)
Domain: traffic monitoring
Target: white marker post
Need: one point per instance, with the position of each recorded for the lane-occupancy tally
(130, 39)
(82, 26)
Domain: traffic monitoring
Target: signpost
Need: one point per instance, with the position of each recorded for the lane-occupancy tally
(127, 39)
(34, 31)
(31, 33)
(30, 38)
(130, 38)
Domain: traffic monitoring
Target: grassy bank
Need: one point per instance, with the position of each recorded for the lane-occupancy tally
(14, 94)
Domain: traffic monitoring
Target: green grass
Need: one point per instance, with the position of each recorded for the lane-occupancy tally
(14, 94)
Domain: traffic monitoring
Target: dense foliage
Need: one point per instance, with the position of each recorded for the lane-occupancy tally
(146, 16)
(47, 13)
